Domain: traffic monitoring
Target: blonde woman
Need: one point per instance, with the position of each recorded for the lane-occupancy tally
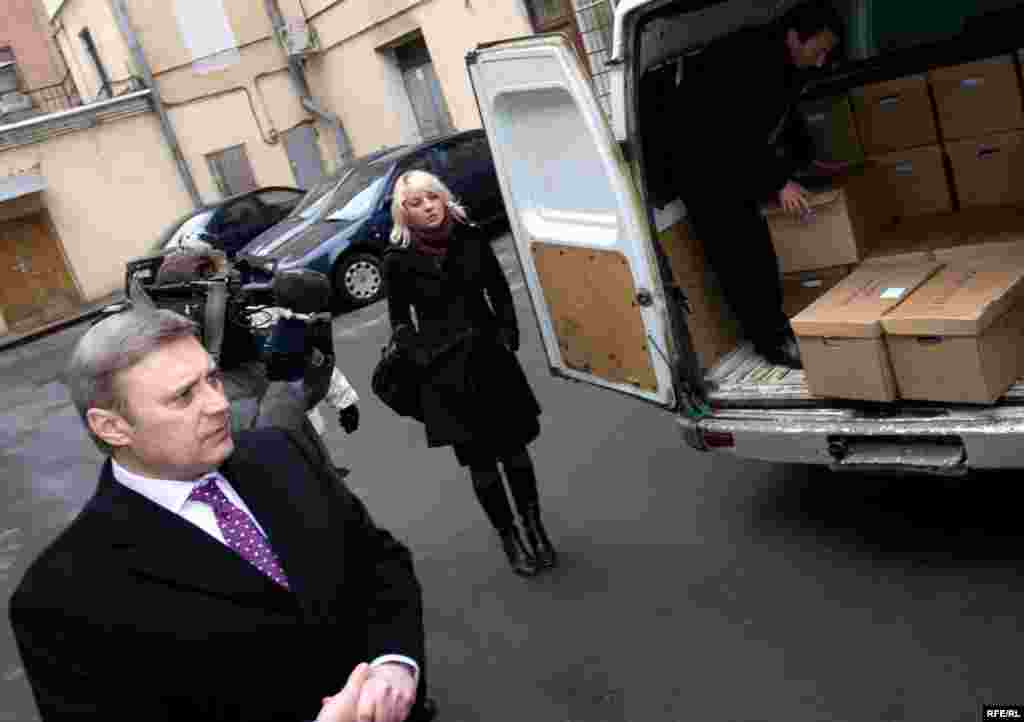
(474, 396)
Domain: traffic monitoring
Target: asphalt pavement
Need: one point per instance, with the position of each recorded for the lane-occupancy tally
(693, 587)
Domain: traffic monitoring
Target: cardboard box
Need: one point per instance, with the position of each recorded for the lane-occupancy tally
(834, 130)
(978, 98)
(895, 115)
(959, 338)
(840, 335)
(993, 249)
(831, 236)
(990, 224)
(916, 237)
(800, 290)
(990, 170)
(907, 184)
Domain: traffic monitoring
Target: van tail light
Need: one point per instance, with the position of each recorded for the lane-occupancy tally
(718, 439)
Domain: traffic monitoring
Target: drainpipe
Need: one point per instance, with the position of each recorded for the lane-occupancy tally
(297, 73)
(121, 16)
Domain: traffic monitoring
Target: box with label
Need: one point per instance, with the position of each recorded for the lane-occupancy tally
(800, 290)
(895, 115)
(840, 335)
(830, 235)
(833, 129)
(907, 184)
(978, 98)
(960, 337)
(989, 171)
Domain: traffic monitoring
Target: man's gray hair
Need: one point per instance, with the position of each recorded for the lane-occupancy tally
(116, 343)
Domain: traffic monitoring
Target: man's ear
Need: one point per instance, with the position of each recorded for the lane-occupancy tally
(110, 426)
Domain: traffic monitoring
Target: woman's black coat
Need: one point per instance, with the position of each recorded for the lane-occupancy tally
(474, 391)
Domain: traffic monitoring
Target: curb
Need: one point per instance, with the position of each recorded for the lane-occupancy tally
(15, 340)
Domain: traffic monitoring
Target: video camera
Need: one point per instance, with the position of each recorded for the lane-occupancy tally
(243, 312)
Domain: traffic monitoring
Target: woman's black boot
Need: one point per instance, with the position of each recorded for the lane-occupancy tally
(520, 559)
(537, 535)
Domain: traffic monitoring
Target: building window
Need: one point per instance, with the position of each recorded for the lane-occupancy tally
(207, 33)
(231, 170)
(101, 72)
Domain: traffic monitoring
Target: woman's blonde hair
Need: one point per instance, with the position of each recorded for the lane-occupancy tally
(415, 181)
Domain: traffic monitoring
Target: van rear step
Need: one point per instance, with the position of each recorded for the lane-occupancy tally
(941, 455)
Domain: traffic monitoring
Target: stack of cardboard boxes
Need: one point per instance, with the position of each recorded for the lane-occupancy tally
(935, 309)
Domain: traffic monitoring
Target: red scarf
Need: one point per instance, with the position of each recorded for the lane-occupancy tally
(433, 241)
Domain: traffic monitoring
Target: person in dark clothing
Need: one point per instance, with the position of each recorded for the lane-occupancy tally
(737, 100)
(474, 394)
(236, 557)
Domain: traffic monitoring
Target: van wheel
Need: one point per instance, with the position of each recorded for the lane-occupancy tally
(358, 280)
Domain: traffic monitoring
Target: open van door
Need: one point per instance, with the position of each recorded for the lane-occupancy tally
(582, 233)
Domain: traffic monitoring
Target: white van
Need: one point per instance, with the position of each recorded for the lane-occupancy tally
(611, 313)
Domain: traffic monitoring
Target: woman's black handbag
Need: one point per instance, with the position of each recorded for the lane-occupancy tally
(396, 381)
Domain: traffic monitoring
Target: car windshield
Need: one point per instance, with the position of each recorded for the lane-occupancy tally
(313, 202)
(186, 232)
(355, 196)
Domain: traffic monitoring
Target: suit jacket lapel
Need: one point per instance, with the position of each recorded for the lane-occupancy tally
(297, 523)
(156, 543)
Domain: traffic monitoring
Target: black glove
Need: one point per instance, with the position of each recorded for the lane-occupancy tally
(348, 417)
(508, 336)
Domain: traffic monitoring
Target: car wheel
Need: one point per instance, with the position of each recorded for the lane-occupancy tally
(359, 280)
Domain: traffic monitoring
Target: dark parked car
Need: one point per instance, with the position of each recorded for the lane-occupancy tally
(341, 227)
(225, 226)
(233, 222)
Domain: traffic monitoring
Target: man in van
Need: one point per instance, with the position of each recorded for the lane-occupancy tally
(737, 102)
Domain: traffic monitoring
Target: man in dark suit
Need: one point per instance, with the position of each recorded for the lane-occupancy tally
(209, 577)
(737, 106)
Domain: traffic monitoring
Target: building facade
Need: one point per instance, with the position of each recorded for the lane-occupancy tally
(257, 93)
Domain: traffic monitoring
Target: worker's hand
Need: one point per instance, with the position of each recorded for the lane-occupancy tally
(348, 417)
(793, 199)
(388, 694)
(342, 707)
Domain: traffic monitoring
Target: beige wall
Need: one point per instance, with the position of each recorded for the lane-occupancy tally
(111, 47)
(252, 100)
(111, 191)
(200, 135)
(156, 24)
(357, 76)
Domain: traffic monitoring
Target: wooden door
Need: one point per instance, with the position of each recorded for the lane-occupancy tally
(35, 285)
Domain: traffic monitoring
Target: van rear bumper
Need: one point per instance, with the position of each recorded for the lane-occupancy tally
(918, 439)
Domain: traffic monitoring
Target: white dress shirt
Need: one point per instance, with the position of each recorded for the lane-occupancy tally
(174, 496)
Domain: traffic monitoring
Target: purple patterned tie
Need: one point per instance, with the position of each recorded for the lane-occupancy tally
(239, 531)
